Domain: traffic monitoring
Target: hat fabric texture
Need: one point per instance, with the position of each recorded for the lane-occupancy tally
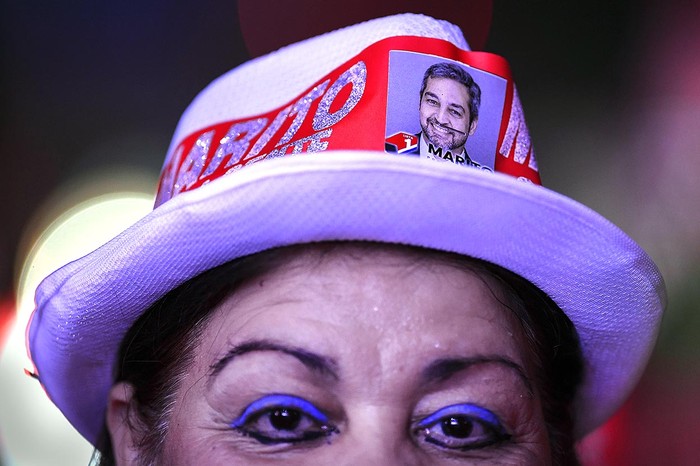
(602, 279)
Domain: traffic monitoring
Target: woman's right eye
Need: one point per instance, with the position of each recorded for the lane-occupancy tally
(279, 419)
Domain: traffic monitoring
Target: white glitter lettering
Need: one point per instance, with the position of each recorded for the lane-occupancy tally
(315, 144)
(270, 131)
(235, 143)
(517, 134)
(194, 161)
(165, 191)
(356, 76)
(301, 108)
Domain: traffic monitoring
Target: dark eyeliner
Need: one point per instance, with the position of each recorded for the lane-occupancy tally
(494, 432)
(466, 409)
(245, 424)
(279, 401)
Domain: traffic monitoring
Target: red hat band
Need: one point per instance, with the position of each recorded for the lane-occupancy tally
(374, 101)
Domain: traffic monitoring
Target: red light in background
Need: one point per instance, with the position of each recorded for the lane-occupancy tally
(8, 312)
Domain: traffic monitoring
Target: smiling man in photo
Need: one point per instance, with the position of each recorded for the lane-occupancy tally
(449, 112)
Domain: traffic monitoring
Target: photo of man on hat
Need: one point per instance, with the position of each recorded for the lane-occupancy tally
(448, 113)
(449, 110)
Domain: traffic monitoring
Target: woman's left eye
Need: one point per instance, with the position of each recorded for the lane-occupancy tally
(461, 427)
(275, 419)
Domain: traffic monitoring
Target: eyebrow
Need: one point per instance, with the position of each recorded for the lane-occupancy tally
(430, 94)
(442, 369)
(324, 365)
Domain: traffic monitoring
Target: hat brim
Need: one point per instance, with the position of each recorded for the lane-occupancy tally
(603, 280)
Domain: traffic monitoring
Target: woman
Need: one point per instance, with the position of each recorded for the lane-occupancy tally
(300, 296)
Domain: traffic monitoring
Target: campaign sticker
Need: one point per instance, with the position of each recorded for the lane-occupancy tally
(444, 110)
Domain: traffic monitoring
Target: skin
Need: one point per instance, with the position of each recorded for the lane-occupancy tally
(360, 337)
(444, 108)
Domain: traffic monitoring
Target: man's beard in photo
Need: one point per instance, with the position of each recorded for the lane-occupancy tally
(443, 135)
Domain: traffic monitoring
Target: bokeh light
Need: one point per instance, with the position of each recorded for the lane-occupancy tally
(33, 430)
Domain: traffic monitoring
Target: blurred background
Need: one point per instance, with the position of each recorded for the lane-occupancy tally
(90, 93)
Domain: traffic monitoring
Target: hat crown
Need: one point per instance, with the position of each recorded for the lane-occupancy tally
(355, 88)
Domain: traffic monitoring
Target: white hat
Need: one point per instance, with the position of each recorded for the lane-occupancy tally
(290, 148)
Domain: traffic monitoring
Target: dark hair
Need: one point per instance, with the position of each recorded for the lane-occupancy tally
(556, 351)
(456, 73)
(157, 350)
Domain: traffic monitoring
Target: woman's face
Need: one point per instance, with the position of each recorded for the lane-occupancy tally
(360, 359)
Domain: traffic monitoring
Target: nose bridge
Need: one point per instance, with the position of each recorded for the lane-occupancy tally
(441, 113)
(379, 436)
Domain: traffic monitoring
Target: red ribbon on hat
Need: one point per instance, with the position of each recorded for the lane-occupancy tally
(352, 108)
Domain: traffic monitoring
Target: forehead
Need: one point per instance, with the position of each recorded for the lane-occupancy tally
(347, 300)
(447, 87)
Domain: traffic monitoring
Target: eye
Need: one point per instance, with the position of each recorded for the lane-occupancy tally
(456, 113)
(275, 419)
(430, 101)
(461, 427)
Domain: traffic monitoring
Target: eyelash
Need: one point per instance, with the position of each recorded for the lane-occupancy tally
(455, 427)
(469, 418)
(257, 421)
